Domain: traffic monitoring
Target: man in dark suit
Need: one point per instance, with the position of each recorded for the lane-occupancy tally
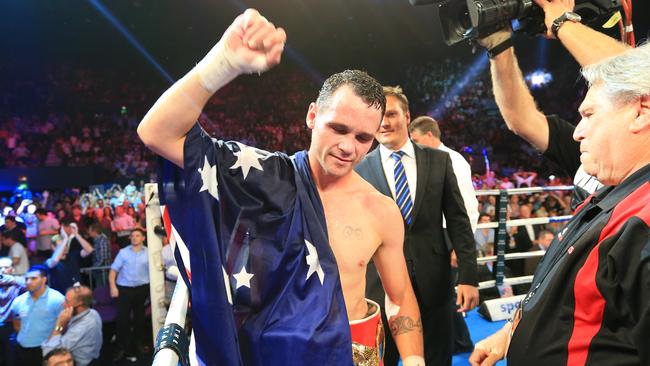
(423, 184)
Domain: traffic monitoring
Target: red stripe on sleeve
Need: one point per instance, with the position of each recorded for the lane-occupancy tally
(589, 302)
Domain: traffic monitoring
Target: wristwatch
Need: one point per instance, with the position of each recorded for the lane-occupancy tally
(568, 15)
(59, 329)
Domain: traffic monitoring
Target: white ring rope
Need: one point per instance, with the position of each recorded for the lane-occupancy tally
(511, 191)
(511, 256)
(524, 222)
(508, 281)
(176, 314)
(517, 223)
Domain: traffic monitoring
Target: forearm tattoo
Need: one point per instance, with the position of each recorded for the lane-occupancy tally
(404, 324)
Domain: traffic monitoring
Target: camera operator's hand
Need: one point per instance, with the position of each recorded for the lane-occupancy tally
(553, 9)
(497, 42)
(496, 38)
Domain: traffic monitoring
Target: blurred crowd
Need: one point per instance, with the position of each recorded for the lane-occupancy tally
(84, 253)
(83, 117)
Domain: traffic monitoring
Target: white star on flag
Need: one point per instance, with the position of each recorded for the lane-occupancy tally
(226, 282)
(247, 158)
(243, 278)
(313, 262)
(209, 178)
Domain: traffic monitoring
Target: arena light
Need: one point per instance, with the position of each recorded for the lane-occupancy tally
(538, 78)
(480, 63)
(103, 10)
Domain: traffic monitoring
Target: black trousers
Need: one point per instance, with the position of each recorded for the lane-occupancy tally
(32, 356)
(6, 354)
(462, 339)
(131, 313)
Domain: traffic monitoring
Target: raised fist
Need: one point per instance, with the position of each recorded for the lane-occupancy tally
(255, 43)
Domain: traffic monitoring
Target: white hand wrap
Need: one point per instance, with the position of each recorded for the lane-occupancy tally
(413, 361)
(221, 65)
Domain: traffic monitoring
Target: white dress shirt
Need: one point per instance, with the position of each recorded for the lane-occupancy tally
(410, 167)
(463, 173)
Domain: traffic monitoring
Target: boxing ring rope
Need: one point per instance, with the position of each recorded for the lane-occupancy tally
(175, 315)
(513, 280)
(167, 332)
(524, 222)
(511, 256)
(527, 190)
(502, 224)
(507, 281)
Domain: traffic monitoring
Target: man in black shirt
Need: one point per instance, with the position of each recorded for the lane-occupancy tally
(550, 135)
(589, 302)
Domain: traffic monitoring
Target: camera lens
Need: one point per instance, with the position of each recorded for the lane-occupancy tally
(484, 13)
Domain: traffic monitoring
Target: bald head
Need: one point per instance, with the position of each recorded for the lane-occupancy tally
(6, 265)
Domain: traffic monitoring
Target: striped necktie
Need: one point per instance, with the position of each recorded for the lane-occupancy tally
(402, 191)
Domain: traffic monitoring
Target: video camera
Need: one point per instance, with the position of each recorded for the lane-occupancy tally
(472, 19)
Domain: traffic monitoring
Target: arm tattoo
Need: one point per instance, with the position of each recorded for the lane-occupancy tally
(404, 324)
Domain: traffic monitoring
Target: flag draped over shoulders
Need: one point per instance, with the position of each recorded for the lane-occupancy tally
(252, 246)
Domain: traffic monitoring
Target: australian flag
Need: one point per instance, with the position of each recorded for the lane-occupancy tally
(252, 246)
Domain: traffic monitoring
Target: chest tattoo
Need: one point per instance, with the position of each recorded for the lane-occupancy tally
(350, 232)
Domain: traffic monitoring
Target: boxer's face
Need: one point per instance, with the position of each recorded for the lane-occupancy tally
(342, 131)
(393, 132)
(610, 146)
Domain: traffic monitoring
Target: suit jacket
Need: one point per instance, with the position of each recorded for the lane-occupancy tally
(426, 253)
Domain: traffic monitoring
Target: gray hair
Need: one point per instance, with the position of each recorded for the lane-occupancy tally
(625, 77)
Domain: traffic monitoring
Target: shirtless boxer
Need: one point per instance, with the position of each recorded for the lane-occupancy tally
(362, 224)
